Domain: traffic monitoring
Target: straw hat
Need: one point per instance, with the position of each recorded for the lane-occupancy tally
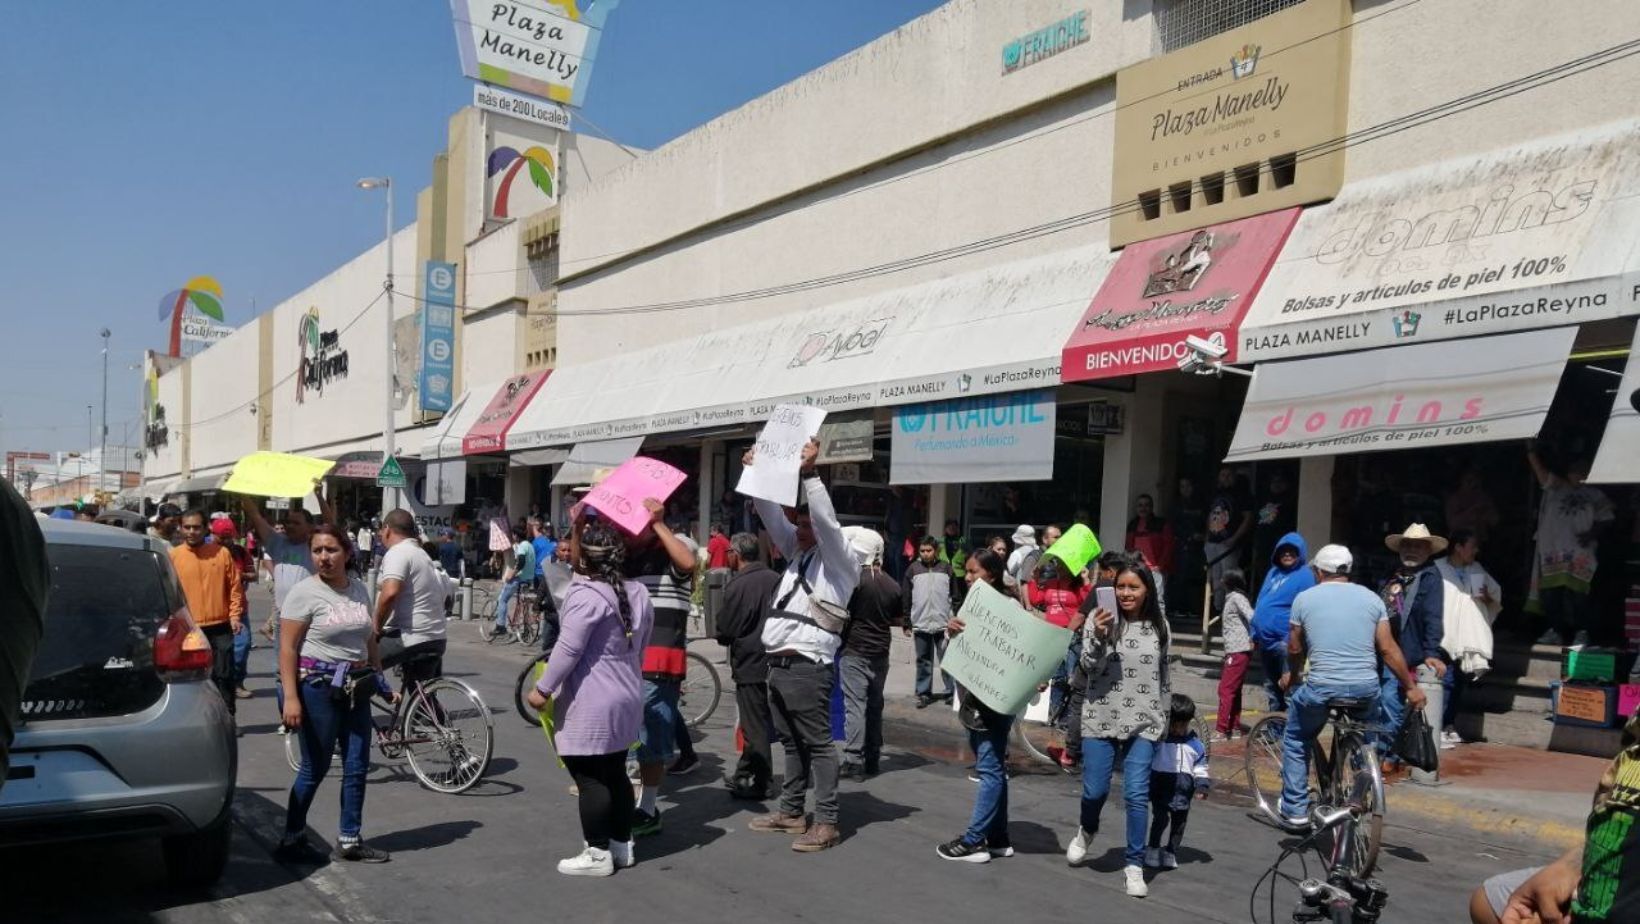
(1416, 531)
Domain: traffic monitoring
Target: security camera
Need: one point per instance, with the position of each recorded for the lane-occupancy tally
(1191, 362)
(1206, 349)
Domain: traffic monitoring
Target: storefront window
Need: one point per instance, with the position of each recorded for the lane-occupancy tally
(1073, 496)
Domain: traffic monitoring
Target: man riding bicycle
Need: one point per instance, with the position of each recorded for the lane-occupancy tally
(410, 602)
(1342, 629)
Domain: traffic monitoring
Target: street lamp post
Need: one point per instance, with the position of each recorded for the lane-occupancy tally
(102, 453)
(389, 495)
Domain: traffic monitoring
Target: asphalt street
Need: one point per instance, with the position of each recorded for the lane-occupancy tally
(489, 854)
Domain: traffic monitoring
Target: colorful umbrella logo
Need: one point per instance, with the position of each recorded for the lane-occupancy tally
(203, 293)
(537, 159)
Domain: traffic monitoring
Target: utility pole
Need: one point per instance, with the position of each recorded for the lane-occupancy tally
(102, 453)
(390, 496)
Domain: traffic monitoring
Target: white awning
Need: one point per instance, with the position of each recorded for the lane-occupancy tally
(587, 459)
(536, 458)
(1618, 459)
(445, 440)
(995, 330)
(198, 484)
(1539, 235)
(1410, 397)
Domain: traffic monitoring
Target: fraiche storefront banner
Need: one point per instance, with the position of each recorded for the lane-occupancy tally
(1532, 236)
(990, 438)
(1492, 388)
(1195, 283)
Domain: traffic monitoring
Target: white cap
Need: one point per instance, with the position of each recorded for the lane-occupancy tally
(1333, 559)
(865, 543)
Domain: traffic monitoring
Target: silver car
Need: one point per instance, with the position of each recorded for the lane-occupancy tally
(122, 733)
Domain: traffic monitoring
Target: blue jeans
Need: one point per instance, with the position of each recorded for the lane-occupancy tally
(512, 587)
(1390, 711)
(989, 823)
(1306, 716)
(1455, 682)
(1099, 757)
(1274, 662)
(242, 652)
(930, 645)
(658, 736)
(324, 723)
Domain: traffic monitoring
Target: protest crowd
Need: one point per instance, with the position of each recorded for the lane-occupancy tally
(1047, 613)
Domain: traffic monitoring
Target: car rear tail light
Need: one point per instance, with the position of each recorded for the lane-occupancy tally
(181, 651)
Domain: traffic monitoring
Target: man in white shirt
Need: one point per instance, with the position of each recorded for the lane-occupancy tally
(410, 602)
(821, 574)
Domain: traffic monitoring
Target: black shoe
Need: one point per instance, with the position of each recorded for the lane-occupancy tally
(684, 765)
(872, 768)
(360, 852)
(852, 772)
(300, 851)
(923, 700)
(964, 852)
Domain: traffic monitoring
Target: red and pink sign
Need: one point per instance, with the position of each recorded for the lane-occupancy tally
(489, 432)
(1196, 283)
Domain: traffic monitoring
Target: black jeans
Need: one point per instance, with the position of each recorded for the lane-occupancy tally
(606, 800)
(422, 662)
(756, 767)
(800, 703)
(220, 635)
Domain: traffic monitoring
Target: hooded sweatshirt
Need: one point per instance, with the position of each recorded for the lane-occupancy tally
(1274, 606)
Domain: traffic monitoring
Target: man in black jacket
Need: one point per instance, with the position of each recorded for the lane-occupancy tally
(745, 605)
(863, 665)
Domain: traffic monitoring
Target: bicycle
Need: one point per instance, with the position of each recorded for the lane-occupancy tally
(702, 687)
(523, 620)
(1031, 737)
(428, 730)
(1346, 776)
(1341, 899)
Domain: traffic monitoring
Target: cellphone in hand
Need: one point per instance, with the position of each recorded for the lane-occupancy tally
(1105, 598)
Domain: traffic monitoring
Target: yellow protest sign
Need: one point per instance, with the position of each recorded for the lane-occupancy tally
(1076, 548)
(276, 474)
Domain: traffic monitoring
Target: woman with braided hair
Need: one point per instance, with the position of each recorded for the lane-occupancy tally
(594, 679)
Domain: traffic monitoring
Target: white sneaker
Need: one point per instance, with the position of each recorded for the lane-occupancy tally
(1136, 882)
(620, 852)
(1153, 857)
(1078, 850)
(589, 862)
(1450, 740)
(1169, 860)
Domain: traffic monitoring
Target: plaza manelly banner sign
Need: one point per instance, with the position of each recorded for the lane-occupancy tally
(542, 47)
(1212, 132)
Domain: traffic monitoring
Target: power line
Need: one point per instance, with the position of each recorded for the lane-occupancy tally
(1376, 132)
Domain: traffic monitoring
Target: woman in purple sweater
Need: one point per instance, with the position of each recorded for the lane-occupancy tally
(594, 676)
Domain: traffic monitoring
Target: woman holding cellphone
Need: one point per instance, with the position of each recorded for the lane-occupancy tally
(1124, 654)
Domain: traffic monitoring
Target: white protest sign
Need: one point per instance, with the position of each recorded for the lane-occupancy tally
(1002, 652)
(772, 475)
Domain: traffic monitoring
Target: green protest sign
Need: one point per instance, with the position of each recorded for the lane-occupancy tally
(1076, 548)
(1003, 652)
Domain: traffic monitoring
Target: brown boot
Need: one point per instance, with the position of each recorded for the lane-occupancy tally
(817, 838)
(778, 823)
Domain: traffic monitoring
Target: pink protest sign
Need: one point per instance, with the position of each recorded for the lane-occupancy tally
(1195, 283)
(620, 497)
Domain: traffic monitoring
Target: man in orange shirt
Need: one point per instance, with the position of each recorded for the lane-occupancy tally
(216, 596)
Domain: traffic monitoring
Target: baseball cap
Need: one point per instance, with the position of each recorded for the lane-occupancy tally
(1333, 559)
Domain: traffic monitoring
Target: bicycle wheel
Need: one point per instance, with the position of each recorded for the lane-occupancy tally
(1204, 733)
(701, 691)
(1358, 783)
(1262, 761)
(448, 735)
(293, 751)
(526, 680)
(529, 629)
(1032, 740)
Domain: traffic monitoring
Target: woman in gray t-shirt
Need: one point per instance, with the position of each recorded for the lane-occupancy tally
(1124, 713)
(325, 631)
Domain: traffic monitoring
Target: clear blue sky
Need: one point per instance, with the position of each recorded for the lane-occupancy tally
(152, 142)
